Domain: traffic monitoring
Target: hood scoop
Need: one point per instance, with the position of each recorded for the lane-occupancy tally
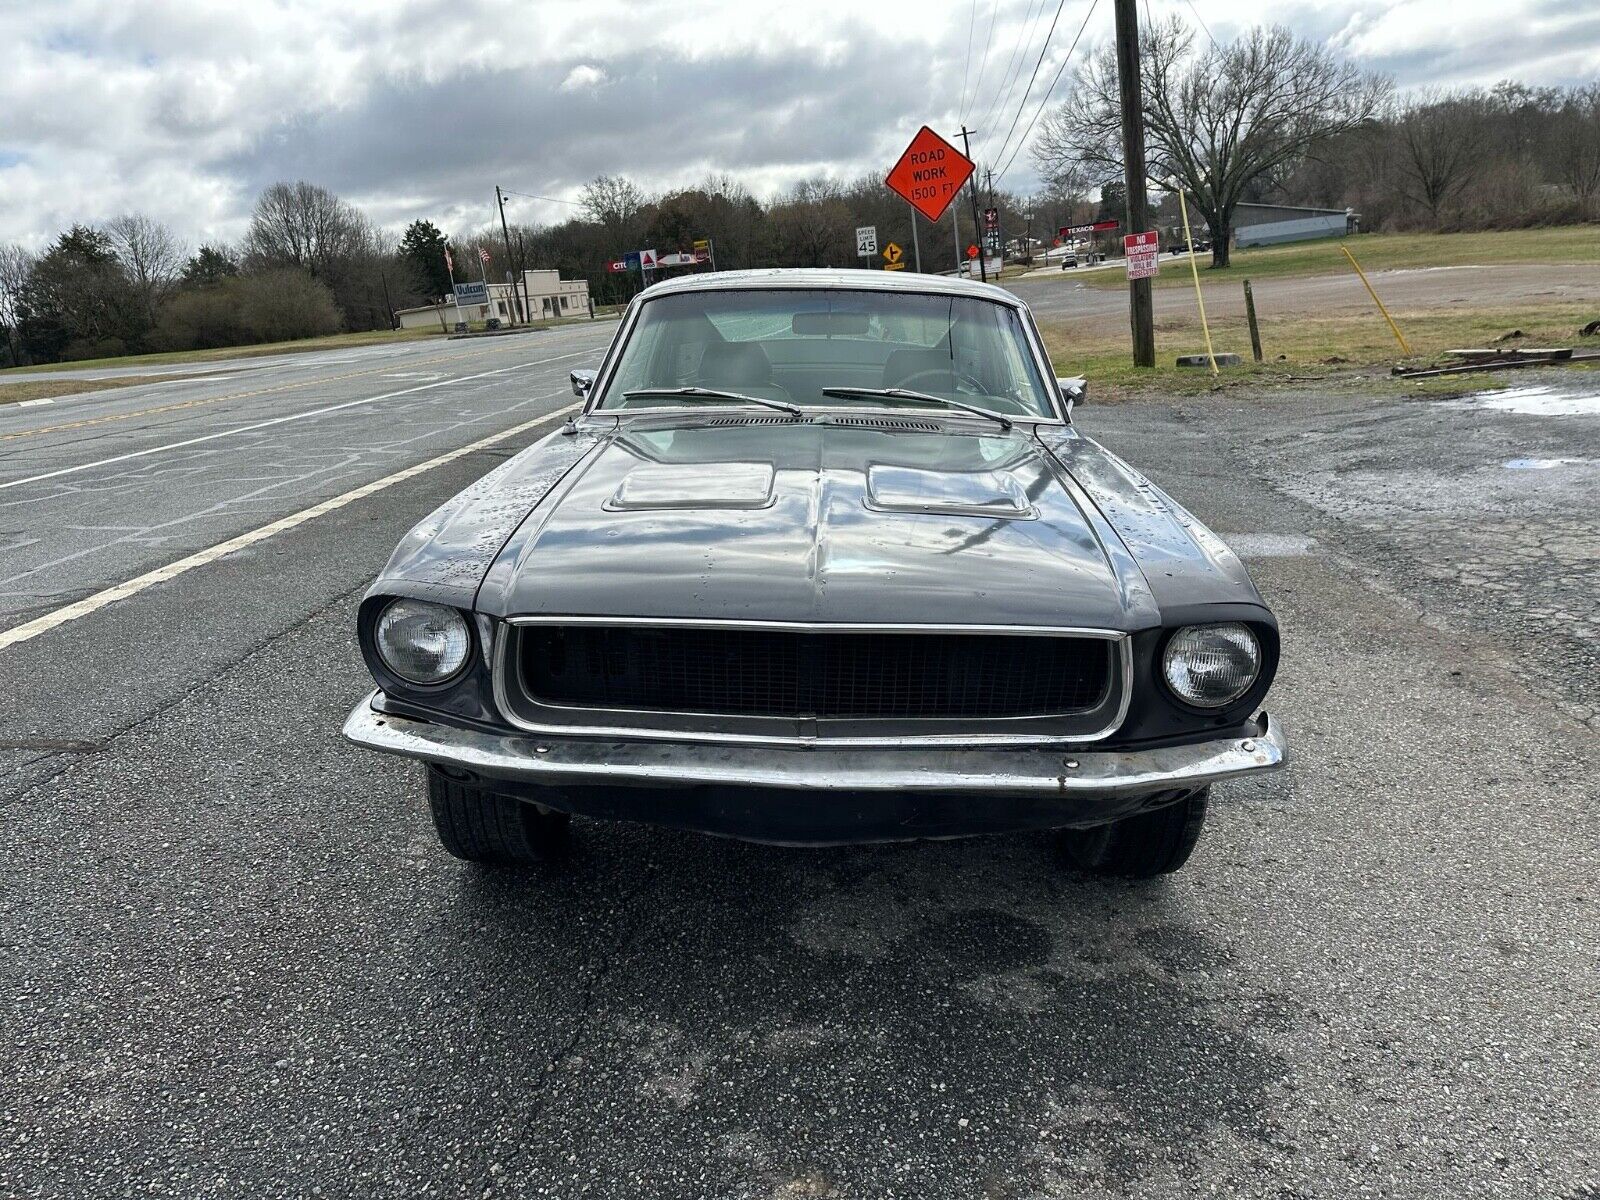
(994, 494)
(694, 485)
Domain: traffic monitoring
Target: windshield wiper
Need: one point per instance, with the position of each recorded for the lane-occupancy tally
(926, 397)
(794, 410)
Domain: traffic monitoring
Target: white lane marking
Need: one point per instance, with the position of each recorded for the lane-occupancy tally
(132, 587)
(316, 412)
(36, 403)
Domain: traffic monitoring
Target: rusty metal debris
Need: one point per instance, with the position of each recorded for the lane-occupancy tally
(1498, 360)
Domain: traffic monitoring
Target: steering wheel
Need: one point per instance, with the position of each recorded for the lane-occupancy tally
(941, 372)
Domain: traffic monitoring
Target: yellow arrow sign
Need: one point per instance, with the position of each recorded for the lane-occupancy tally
(892, 253)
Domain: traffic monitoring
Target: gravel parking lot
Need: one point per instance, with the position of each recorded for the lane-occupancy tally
(235, 961)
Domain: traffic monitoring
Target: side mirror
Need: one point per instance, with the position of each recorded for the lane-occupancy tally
(582, 381)
(1074, 390)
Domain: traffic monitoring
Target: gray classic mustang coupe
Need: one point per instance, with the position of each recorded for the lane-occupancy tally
(823, 559)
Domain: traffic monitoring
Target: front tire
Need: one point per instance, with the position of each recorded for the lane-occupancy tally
(481, 826)
(1142, 846)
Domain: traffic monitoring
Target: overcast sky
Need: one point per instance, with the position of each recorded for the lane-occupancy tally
(416, 108)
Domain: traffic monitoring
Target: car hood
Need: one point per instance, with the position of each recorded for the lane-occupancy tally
(843, 519)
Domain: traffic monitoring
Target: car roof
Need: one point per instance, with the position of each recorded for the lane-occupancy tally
(840, 278)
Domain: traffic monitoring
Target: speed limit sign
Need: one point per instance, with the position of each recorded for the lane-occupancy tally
(866, 240)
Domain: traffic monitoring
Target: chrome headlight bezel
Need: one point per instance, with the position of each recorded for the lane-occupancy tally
(449, 628)
(1192, 653)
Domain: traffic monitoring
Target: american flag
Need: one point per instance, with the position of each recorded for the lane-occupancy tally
(449, 263)
(483, 255)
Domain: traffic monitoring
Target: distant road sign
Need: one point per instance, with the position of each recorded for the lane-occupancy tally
(468, 294)
(892, 256)
(929, 174)
(1143, 252)
(972, 250)
(1072, 231)
(866, 240)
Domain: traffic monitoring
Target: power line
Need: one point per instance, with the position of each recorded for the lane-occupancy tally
(1045, 99)
(1008, 80)
(982, 62)
(966, 63)
(1005, 76)
(550, 199)
(1028, 91)
(1203, 25)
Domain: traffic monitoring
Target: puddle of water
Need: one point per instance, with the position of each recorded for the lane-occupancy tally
(1270, 545)
(1539, 464)
(1540, 401)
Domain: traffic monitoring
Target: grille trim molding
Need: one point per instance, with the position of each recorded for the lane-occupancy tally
(783, 731)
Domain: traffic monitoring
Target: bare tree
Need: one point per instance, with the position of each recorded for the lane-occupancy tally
(16, 264)
(812, 227)
(1219, 119)
(1574, 146)
(303, 225)
(150, 255)
(615, 203)
(1439, 149)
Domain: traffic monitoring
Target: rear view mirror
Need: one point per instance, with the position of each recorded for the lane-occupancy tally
(582, 381)
(822, 324)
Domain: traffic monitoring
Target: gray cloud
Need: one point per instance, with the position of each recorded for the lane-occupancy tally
(185, 108)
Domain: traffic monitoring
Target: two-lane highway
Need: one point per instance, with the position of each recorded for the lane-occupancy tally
(234, 960)
(99, 490)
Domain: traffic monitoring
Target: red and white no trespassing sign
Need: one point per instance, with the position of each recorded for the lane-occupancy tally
(930, 173)
(1143, 253)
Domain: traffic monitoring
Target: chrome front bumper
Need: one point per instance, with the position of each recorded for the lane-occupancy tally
(1029, 772)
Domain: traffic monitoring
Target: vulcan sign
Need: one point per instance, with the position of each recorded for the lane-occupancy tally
(929, 174)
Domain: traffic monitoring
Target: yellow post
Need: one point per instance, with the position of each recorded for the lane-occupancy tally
(1393, 328)
(1195, 271)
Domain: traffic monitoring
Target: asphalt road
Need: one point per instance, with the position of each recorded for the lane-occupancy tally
(234, 962)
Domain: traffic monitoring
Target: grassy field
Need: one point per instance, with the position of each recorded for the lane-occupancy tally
(1378, 252)
(42, 389)
(1310, 348)
(337, 341)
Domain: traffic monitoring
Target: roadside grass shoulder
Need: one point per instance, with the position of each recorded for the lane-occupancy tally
(47, 389)
(1377, 252)
(1309, 348)
(337, 341)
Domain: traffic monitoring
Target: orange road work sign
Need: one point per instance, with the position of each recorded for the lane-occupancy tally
(929, 174)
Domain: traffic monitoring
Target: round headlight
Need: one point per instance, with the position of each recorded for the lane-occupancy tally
(1211, 665)
(422, 642)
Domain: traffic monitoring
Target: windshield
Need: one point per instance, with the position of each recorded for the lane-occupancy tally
(801, 346)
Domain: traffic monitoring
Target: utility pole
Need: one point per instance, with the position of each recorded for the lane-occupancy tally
(1141, 304)
(977, 222)
(389, 304)
(514, 261)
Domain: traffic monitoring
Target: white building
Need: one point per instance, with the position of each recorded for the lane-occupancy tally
(549, 297)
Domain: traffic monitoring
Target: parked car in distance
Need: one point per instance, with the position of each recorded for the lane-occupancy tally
(824, 558)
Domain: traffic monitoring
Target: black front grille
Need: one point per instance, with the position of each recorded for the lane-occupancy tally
(782, 673)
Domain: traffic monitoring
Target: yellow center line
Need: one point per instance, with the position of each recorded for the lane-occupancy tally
(198, 401)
